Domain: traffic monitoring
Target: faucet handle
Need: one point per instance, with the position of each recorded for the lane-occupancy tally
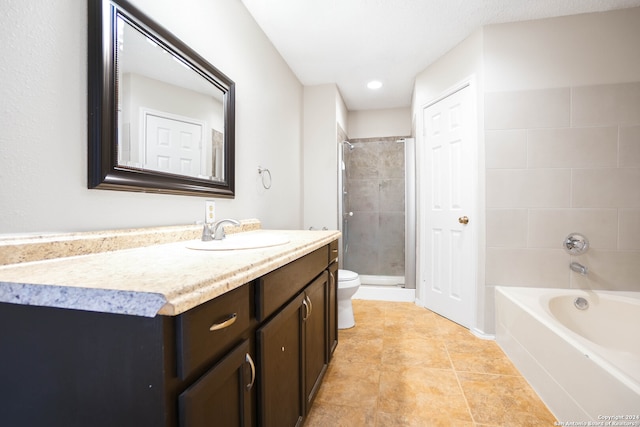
(206, 233)
(576, 244)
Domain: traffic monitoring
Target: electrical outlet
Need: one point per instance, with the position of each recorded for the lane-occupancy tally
(209, 211)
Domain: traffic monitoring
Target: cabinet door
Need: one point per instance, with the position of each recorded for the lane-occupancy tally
(332, 309)
(315, 329)
(223, 396)
(280, 401)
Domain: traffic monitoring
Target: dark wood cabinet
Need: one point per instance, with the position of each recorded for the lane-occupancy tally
(293, 355)
(224, 395)
(315, 349)
(332, 309)
(280, 369)
(254, 356)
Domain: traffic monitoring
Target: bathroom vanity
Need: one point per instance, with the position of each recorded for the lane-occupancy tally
(168, 336)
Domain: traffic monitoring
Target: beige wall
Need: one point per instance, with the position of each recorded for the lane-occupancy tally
(379, 123)
(323, 112)
(561, 102)
(462, 63)
(580, 50)
(43, 97)
(563, 150)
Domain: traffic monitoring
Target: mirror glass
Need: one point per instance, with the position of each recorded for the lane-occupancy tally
(161, 117)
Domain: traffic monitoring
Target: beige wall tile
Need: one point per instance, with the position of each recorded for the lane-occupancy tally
(629, 146)
(507, 228)
(506, 149)
(611, 270)
(629, 230)
(593, 188)
(577, 147)
(517, 188)
(545, 108)
(602, 105)
(542, 268)
(549, 227)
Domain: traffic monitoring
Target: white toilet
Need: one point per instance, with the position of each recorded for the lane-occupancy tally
(348, 284)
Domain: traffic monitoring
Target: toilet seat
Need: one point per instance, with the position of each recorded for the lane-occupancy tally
(346, 275)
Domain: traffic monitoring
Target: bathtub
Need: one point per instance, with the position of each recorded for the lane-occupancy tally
(584, 364)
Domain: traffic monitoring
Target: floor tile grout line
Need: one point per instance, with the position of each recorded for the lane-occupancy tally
(448, 335)
(455, 372)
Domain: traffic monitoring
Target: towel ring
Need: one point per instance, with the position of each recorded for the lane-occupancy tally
(266, 183)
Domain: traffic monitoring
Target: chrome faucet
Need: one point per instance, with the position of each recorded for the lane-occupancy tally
(215, 231)
(579, 268)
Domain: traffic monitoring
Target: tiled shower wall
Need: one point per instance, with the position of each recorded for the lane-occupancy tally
(375, 194)
(563, 160)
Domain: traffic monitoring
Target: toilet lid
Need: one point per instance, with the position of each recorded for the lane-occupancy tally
(344, 275)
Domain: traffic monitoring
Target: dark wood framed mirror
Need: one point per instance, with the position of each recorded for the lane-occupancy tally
(161, 117)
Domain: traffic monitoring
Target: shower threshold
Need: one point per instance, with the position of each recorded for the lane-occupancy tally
(396, 281)
(384, 288)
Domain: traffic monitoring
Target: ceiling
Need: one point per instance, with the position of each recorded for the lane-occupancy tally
(350, 42)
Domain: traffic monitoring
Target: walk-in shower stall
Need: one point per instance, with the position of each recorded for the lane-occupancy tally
(376, 215)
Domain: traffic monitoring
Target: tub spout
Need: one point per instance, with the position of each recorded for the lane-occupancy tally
(579, 268)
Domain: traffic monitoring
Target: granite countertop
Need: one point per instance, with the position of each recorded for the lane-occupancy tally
(165, 279)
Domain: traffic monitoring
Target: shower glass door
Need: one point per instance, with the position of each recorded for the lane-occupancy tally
(373, 187)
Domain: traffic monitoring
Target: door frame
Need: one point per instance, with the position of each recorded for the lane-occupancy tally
(476, 212)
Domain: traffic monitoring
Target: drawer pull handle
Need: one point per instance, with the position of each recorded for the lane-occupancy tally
(310, 305)
(249, 360)
(307, 312)
(225, 323)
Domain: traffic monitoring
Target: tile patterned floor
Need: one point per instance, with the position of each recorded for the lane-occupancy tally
(403, 365)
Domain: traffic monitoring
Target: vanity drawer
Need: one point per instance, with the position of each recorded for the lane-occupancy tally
(273, 290)
(333, 251)
(206, 332)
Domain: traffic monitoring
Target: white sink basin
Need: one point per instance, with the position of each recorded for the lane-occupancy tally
(246, 240)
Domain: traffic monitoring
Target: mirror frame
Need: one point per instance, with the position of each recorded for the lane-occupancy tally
(104, 171)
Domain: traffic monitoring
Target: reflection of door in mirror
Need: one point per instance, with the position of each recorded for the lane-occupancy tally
(172, 145)
(152, 79)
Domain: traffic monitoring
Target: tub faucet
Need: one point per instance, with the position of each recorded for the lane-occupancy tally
(579, 268)
(215, 231)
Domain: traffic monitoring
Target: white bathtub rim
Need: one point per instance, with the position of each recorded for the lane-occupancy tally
(540, 296)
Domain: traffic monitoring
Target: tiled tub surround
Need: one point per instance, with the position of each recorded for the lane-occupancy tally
(166, 278)
(563, 160)
(375, 194)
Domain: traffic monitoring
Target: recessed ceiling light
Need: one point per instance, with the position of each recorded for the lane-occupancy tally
(374, 84)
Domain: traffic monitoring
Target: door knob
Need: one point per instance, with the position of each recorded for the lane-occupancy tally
(463, 220)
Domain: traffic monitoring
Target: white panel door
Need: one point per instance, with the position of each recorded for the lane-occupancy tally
(172, 145)
(447, 198)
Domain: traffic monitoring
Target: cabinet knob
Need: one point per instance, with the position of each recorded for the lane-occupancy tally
(282, 348)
